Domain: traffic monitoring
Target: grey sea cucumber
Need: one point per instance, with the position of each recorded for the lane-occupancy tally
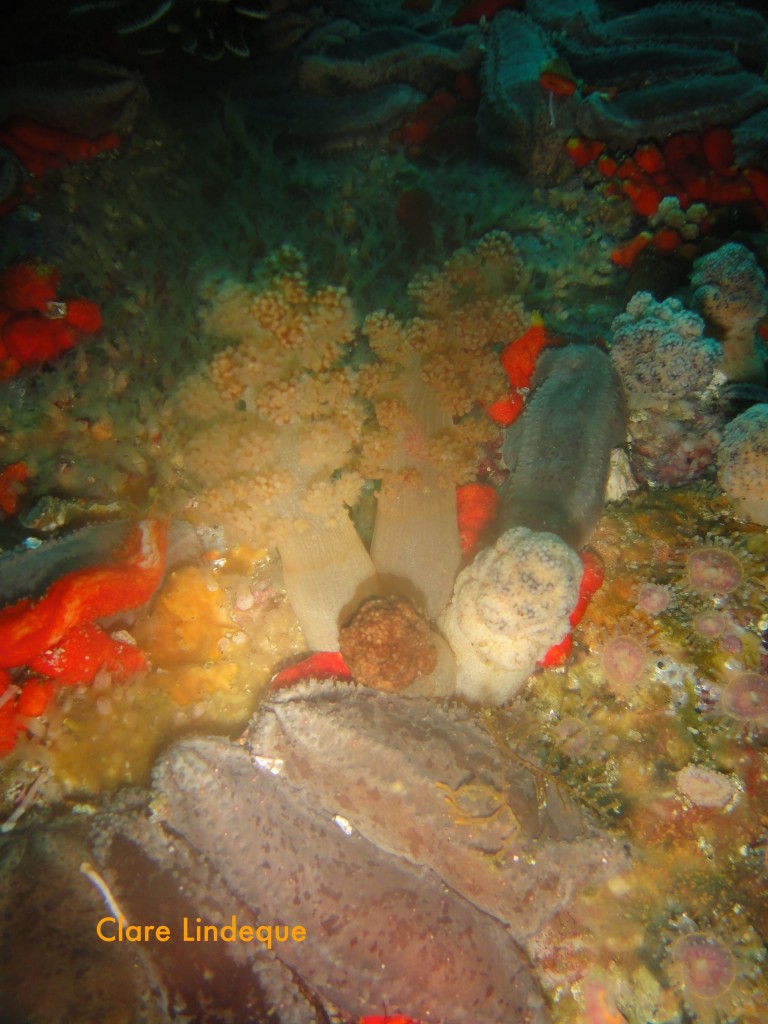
(558, 452)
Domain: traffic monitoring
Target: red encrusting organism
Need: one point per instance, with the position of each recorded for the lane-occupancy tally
(29, 287)
(40, 149)
(12, 481)
(506, 410)
(18, 705)
(82, 652)
(440, 123)
(556, 77)
(58, 637)
(35, 327)
(693, 167)
(483, 10)
(584, 151)
(592, 578)
(625, 255)
(29, 628)
(397, 1019)
(518, 360)
(476, 507)
(318, 665)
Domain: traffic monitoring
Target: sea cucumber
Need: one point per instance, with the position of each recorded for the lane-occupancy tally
(558, 452)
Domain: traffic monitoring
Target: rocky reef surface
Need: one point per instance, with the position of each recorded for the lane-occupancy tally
(309, 353)
(418, 829)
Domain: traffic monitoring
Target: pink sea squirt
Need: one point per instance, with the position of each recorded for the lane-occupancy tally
(713, 570)
(732, 644)
(624, 661)
(746, 698)
(653, 598)
(705, 787)
(707, 966)
(710, 624)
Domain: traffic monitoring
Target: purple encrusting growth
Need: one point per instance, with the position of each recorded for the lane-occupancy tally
(559, 451)
(379, 932)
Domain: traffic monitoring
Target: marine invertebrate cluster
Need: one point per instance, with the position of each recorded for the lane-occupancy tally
(742, 463)
(435, 373)
(682, 188)
(676, 71)
(730, 291)
(652, 73)
(277, 434)
(463, 310)
(666, 363)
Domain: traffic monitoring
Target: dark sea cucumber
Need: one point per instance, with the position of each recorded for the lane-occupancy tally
(559, 451)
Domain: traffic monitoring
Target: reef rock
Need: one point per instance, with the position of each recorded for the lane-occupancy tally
(432, 874)
(673, 67)
(85, 96)
(514, 119)
(661, 69)
(388, 55)
(427, 784)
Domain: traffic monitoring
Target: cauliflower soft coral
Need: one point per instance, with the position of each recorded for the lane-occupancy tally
(433, 374)
(742, 463)
(660, 351)
(509, 607)
(731, 293)
(265, 438)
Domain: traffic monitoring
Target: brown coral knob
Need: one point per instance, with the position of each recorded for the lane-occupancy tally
(386, 644)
